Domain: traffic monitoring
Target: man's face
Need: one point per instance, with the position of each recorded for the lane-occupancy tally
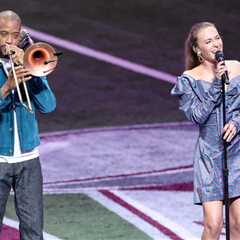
(9, 32)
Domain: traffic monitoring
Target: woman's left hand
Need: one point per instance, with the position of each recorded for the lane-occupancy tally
(229, 131)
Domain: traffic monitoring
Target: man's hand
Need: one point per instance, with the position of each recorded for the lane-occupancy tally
(17, 53)
(22, 74)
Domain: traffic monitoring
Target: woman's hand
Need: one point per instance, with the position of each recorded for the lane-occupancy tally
(229, 131)
(220, 69)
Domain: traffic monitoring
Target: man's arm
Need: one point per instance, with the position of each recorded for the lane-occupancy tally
(41, 94)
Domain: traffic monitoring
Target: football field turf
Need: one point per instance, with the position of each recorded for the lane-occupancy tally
(78, 217)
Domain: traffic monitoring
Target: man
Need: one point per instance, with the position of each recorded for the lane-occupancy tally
(19, 156)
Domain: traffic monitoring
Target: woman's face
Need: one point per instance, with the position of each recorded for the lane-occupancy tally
(208, 42)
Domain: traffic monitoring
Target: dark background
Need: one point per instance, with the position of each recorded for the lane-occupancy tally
(91, 93)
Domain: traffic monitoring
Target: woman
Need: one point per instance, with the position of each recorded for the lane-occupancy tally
(199, 92)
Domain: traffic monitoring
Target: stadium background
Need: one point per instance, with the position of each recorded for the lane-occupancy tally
(95, 94)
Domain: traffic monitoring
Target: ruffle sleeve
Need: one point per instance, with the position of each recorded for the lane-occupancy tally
(196, 107)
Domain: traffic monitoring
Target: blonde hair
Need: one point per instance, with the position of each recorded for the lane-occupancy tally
(191, 58)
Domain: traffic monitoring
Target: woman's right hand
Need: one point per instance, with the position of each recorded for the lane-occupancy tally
(220, 69)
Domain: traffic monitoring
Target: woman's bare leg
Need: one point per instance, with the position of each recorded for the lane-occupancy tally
(234, 214)
(213, 220)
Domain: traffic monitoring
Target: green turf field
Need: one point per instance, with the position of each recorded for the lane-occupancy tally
(78, 217)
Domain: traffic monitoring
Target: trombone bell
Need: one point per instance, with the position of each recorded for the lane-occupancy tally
(40, 59)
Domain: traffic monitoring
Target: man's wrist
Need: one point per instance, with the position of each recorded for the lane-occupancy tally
(4, 90)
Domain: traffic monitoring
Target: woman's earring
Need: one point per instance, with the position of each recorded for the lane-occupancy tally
(200, 58)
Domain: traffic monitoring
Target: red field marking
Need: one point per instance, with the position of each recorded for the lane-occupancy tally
(9, 233)
(168, 232)
(119, 175)
(183, 187)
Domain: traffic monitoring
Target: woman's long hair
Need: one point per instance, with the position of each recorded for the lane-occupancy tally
(191, 58)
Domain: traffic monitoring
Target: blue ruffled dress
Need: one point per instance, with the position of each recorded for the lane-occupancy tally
(201, 101)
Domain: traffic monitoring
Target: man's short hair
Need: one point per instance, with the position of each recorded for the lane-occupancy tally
(10, 15)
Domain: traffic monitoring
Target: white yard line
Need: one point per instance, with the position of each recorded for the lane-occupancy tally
(163, 220)
(15, 224)
(155, 232)
(127, 215)
(102, 56)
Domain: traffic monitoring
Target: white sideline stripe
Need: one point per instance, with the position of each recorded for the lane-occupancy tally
(163, 220)
(75, 47)
(15, 224)
(127, 215)
(66, 191)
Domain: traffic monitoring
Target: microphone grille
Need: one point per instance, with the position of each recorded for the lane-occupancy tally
(219, 56)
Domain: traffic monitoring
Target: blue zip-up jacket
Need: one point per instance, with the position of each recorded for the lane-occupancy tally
(42, 99)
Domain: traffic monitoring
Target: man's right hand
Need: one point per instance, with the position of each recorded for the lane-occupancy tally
(16, 53)
(22, 75)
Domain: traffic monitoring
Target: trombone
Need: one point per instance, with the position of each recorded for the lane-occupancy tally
(40, 59)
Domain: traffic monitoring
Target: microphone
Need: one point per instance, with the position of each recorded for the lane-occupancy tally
(219, 56)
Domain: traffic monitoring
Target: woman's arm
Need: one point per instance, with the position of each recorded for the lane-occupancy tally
(196, 108)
